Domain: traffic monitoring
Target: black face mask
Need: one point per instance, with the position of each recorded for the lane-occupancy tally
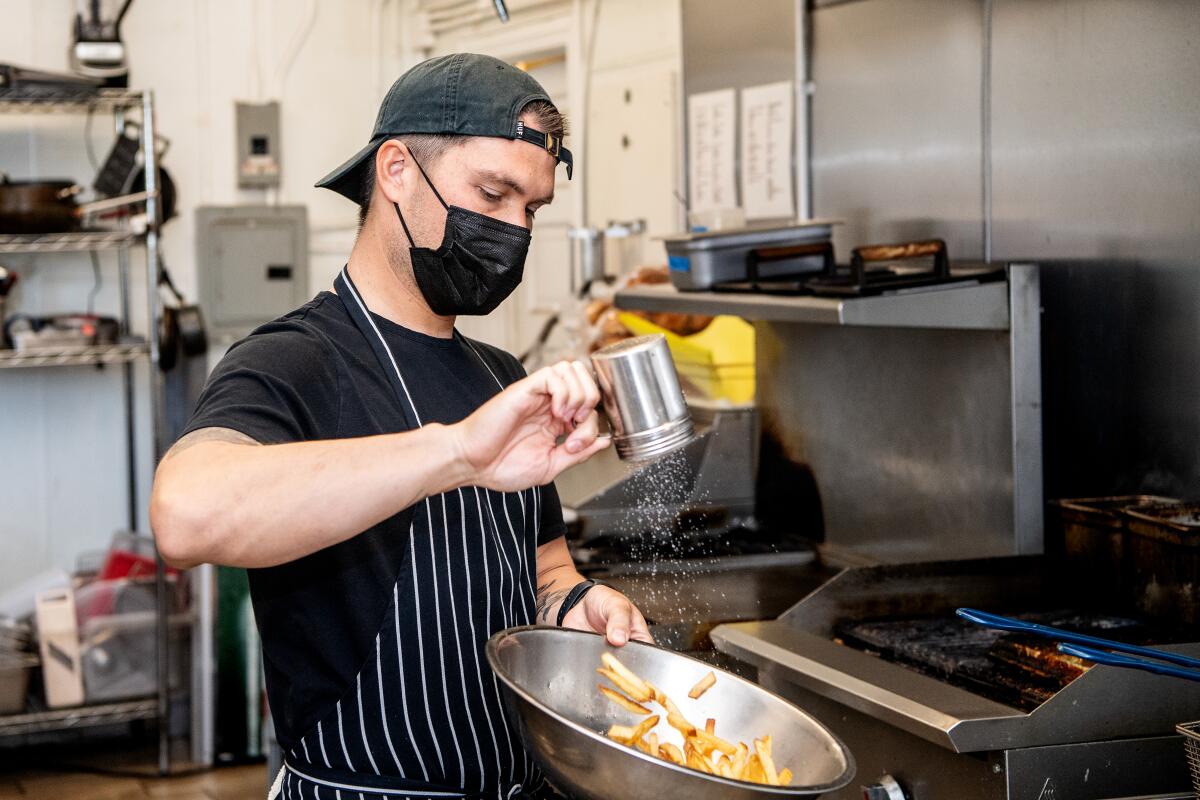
(479, 263)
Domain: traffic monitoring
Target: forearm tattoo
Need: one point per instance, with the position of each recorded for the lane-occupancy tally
(545, 601)
(208, 435)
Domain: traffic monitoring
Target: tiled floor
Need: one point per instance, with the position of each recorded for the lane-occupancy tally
(222, 783)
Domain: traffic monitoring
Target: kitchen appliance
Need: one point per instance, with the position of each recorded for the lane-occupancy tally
(642, 398)
(950, 710)
(1146, 547)
(701, 259)
(548, 679)
(98, 51)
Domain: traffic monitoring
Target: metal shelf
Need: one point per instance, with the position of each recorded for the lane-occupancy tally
(66, 101)
(81, 717)
(965, 306)
(78, 241)
(74, 356)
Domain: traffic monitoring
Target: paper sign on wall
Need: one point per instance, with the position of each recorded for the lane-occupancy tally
(767, 124)
(712, 131)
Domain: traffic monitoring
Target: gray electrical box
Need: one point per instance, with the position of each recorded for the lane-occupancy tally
(251, 265)
(258, 145)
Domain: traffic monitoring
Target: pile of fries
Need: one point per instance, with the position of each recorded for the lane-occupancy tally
(702, 749)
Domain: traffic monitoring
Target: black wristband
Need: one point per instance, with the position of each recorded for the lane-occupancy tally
(573, 597)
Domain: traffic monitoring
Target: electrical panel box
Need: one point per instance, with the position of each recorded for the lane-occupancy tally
(258, 145)
(251, 265)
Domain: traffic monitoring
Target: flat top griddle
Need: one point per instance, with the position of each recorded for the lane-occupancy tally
(1017, 670)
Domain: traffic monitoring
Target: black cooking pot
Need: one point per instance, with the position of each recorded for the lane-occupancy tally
(37, 206)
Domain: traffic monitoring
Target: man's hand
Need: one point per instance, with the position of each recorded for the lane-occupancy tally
(607, 611)
(512, 442)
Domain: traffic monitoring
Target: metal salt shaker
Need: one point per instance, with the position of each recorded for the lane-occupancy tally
(642, 398)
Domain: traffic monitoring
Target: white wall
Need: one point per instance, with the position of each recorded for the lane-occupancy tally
(62, 465)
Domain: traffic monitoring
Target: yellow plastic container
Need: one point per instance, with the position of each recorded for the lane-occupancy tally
(718, 361)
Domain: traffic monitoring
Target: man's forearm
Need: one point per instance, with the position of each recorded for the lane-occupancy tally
(254, 506)
(556, 575)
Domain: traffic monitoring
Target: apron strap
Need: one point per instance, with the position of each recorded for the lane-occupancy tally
(348, 293)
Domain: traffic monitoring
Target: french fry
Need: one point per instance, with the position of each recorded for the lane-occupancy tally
(714, 742)
(754, 771)
(762, 748)
(702, 750)
(640, 694)
(643, 728)
(697, 761)
(623, 701)
(703, 685)
(671, 753)
(620, 733)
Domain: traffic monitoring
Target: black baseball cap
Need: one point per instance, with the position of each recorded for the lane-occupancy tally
(463, 93)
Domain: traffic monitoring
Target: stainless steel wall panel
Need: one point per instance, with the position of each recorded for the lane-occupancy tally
(1096, 161)
(896, 112)
(907, 433)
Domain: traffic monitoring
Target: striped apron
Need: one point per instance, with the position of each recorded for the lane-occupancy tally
(424, 718)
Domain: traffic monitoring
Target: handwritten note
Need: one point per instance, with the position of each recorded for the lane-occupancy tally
(766, 126)
(712, 132)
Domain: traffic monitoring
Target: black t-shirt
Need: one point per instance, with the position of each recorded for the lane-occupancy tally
(311, 375)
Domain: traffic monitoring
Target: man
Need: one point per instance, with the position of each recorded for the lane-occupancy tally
(386, 481)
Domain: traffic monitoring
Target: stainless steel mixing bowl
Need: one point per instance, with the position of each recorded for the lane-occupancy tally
(549, 680)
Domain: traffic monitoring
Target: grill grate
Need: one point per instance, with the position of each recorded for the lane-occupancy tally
(1191, 743)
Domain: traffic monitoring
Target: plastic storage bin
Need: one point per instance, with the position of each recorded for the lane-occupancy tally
(718, 361)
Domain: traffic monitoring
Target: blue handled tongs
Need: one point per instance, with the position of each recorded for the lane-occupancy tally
(1093, 648)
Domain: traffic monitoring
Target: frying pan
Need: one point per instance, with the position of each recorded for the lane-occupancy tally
(38, 206)
(548, 677)
(50, 207)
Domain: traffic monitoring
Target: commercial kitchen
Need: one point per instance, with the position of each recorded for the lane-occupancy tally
(858, 456)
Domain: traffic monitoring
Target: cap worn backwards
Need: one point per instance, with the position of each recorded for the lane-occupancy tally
(460, 94)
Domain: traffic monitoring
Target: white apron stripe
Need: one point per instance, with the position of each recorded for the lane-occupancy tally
(488, 597)
(474, 639)
(523, 563)
(525, 762)
(437, 748)
(342, 738)
(321, 740)
(383, 720)
(462, 675)
(437, 615)
(400, 662)
(362, 725)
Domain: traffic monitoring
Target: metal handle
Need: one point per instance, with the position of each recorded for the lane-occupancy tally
(87, 209)
(862, 256)
(1020, 626)
(1115, 660)
(766, 255)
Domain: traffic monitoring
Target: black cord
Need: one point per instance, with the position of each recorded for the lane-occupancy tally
(97, 282)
